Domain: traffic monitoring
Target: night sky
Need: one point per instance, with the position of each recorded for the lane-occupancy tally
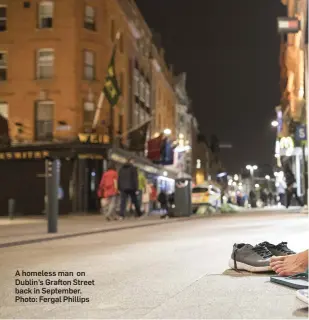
(230, 51)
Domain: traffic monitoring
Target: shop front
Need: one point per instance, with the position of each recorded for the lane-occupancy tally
(293, 153)
(23, 171)
(163, 177)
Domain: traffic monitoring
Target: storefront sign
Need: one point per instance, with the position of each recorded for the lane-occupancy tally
(301, 133)
(90, 156)
(287, 144)
(24, 155)
(93, 138)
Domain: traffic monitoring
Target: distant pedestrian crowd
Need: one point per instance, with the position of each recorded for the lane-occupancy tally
(130, 183)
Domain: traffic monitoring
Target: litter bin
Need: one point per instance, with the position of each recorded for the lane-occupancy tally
(183, 203)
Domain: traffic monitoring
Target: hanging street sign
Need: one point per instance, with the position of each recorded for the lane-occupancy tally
(301, 133)
(288, 25)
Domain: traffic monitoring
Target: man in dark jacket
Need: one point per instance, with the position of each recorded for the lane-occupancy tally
(291, 188)
(128, 187)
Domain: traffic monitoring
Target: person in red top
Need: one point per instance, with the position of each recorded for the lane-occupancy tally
(108, 190)
(153, 197)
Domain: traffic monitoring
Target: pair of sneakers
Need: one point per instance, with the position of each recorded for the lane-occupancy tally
(256, 258)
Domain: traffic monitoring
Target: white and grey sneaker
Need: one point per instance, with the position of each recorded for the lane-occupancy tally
(249, 258)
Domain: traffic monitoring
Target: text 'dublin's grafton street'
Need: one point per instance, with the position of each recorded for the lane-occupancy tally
(52, 287)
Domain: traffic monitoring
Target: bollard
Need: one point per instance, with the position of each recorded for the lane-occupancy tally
(11, 208)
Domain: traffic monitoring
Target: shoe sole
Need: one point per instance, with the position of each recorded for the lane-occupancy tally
(247, 267)
(302, 297)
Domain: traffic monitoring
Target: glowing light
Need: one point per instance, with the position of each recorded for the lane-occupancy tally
(257, 185)
(267, 177)
(236, 178)
(167, 131)
(275, 123)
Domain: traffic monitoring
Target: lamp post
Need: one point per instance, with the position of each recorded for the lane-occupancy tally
(252, 168)
(267, 177)
(274, 123)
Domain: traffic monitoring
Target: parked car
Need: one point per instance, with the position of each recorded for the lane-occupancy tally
(206, 194)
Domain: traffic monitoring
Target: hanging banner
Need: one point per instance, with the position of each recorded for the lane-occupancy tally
(301, 133)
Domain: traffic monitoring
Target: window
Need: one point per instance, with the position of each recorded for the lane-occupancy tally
(45, 14)
(142, 89)
(89, 110)
(44, 121)
(136, 114)
(136, 82)
(4, 110)
(120, 123)
(89, 72)
(3, 66)
(4, 126)
(45, 63)
(3, 18)
(147, 95)
(113, 30)
(89, 21)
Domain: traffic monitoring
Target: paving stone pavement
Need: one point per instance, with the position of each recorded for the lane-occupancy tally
(168, 271)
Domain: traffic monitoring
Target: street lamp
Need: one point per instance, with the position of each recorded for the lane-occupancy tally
(274, 123)
(252, 168)
(267, 177)
(257, 185)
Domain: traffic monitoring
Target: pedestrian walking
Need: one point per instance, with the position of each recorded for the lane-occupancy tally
(153, 197)
(142, 186)
(290, 192)
(270, 198)
(128, 187)
(108, 191)
(163, 200)
(146, 200)
(281, 191)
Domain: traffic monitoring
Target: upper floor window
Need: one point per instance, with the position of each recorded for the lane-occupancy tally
(136, 81)
(3, 66)
(3, 18)
(142, 89)
(120, 123)
(46, 12)
(89, 65)
(44, 115)
(89, 20)
(89, 111)
(4, 110)
(45, 63)
(147, 95)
